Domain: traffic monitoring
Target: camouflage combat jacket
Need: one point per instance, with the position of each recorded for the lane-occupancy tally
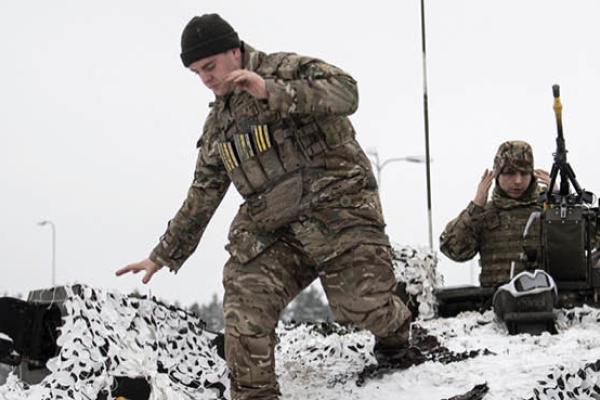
(294, 159)
(495, 232)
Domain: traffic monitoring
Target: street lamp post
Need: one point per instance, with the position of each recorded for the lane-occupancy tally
(47, 222)
(379, 165)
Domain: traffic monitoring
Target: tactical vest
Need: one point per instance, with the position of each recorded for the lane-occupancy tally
(502, 242)
(264, 151)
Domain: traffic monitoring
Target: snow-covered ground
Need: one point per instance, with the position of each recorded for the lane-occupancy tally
(107, 334)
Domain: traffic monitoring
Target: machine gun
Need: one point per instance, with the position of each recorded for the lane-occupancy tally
(569, 224)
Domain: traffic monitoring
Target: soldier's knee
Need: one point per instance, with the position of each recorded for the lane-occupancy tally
(383, 320)
(248, 320)
(363, 272)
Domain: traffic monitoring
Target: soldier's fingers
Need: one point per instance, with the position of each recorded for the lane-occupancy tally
(234, 75)
(135, 268)
(242, 81)
(123, 270)
(489, 177)
(239, 77)
(148, 276)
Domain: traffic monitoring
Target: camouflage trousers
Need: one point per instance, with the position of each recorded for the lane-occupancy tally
(359, 285)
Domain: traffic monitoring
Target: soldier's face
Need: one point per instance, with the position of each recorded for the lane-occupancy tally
(214, 69)
(514, 182)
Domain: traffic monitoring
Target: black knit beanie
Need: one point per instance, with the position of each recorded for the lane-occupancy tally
(206, 36)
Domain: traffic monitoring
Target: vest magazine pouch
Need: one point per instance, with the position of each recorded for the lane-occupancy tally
(241, 183)
(289, 154)
(254, 173)
(278, 205)
(525, 304)
(269, 159)
(258, 144)
(231, 161)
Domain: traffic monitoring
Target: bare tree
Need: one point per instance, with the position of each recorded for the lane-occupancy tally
(211, 313)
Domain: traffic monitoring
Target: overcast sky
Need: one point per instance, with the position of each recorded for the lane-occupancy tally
(99, 118)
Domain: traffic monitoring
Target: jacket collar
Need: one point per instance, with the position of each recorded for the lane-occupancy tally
(502, 200)
(251, 58)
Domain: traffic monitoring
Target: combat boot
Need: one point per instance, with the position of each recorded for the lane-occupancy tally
(399, 356)
(395, 351)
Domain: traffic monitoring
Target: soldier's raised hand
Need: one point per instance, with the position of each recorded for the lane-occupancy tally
(483, 188)
(145, 265)
(249, 81)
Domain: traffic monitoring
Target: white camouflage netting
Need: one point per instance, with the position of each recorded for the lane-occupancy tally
(107, 335)
(417, 268)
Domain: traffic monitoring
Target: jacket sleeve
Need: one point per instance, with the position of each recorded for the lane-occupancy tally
(315, 87)
(204, 196)
(460, 240)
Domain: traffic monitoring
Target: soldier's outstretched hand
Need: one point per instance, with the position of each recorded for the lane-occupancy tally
(249, 81)
(483, 188)
(145, 265)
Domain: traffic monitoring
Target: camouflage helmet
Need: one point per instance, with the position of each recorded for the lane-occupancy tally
(514, 155)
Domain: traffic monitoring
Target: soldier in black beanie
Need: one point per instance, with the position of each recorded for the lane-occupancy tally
(212, 49)
(279, 131)
(206, 36)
